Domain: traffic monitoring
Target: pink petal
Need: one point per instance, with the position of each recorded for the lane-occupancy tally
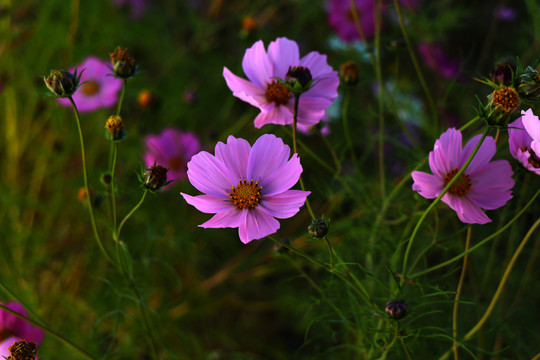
(226, 219)
(316, 63)
(518, 137)
(482, 157)
(427, 185)
(245, 90)
(210, 176)
(257, 65)
(267, 155)
(208, 204)
(494, 175)
(445, 154)
(283, 53)
(280, 115)
(466, 211)
(286, 204)
(257, 224)
(282, 178)
(531, 124)
(489, 199)
(324, 87)
(234, 155)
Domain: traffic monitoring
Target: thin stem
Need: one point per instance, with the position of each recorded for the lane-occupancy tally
(113, 190)
(48, 330)
(497, 233)
(417, 68)
(458, 294)
(331, 251)
(424, 215)
(378, 74)
(85, 176)
(504, 278)
(406, 349)
(345, 118)
(122, 96)
(130, 213)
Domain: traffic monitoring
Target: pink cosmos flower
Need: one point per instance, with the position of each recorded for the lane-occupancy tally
(13, 329)
(485, 184)
(101, 88)
(436, 60)
(137, 6)
(273, 98)
(171, 149)
(247, 187)
(524, 140)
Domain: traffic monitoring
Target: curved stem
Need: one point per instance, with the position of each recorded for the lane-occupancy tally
(504, 278)
(426, 212)
(458, 294)
(48, 330)
(331, 251)
(130, 213)
(85, 176)
(498, 232)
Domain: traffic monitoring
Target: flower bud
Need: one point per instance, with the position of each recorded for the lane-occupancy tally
(349, 72)
(155, 177)
(502, 104)
(122, 62)
(115, 128)
(106, 179)
(528, 84)
(22, 350)
(318, 228)
(62, 83)
(299, 78)
(396, 309)
(502, 73)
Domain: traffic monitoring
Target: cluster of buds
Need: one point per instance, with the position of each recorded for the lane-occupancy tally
(115, 128)
(22, 350)
(154, 177)
(123, 63)
(62, 83)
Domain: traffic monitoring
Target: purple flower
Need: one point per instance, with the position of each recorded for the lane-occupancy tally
(100, 90)
(273, 98)
(524, 140)
(505, 13)
(483, 185)
(340, 18)
(436, 60)
(137, 6)
(171, 149)
(247, 187)
(13, 329)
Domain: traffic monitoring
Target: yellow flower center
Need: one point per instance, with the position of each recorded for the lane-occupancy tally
(246, 195)
(507, 98)
(90, 88)
(277, 93)
(461, 186)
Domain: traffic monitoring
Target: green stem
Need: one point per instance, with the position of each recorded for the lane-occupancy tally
(48, 330)
(427, 211)
(113, 189)
(331, 251)
(417, 69)
(130, 213)
(458, 294)
(498, 232)
(122, 96)
(85, 176)
(345, 118)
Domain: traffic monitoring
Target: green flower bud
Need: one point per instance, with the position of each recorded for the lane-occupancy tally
(318, 228)
(115, 128)
(396, 309)
(502, 104)
(62, 83)
(349, 72)
(298, 79)
(528, 84)
(155, 177)
(123, 63)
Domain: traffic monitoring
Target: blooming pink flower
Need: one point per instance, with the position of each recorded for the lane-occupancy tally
(274, 99)
(524, 140)
(340, 18)
(101, 88)
(13, 329)
(171, 149)
(483, 185)
(247, 187)
(436, 60)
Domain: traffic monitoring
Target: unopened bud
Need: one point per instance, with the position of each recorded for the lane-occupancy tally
(396, 309)
(299, 78)
(123, 63)
(349, 72)
(61, 83)
(318, 228)
(115, 128)
(155, 177)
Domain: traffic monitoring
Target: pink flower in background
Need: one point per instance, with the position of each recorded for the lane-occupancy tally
(247, 187)
(273, 98)
(13, 329)
(99, 91)
(309, 130)
(436, 60)
(340, 18)
(524, 140)
(171, 149)
(138, 7)
(485, 184)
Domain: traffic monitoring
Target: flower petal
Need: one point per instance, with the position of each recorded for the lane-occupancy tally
(257, 65)
(427, 185)
(467, 211)
(207, 203)
(286, 204)
(494, 175)
(280, 115)
(489, 199)
(482, 157)
(267, 155)
(226, 219)
(283, 53)
(245, 90)
(282, 178)
(257, 224)
(234, 155)
(210, 176)
(445, 154)
(518, 137)
(316, 63)
(531, 124)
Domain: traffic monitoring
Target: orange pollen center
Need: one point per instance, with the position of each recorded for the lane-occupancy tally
(461, 186)
(507, 98)
(176, 163)
(277, 93)
(246, 195)
(90, 88)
